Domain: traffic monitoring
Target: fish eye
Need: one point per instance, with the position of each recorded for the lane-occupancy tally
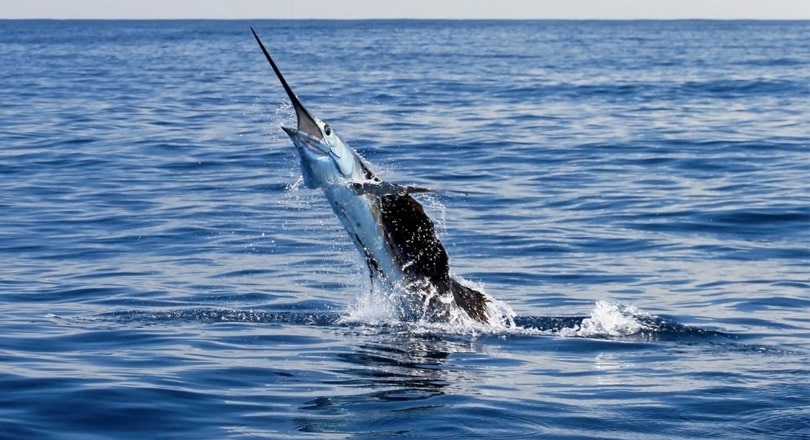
(327, 130)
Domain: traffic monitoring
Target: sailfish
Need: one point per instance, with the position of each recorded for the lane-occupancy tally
(387, 224)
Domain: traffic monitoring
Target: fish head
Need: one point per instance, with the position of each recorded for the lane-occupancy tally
(325, 157)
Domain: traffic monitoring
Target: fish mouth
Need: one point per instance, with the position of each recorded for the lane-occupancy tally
(303, 138)
(306, 122)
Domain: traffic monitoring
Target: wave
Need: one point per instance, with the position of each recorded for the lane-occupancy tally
(607, 320)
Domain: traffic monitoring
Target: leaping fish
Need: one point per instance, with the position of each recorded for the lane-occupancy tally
(387, 225)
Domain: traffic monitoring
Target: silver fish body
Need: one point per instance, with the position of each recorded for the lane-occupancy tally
(387, 225)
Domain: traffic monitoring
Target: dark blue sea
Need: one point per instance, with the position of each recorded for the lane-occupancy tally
(636, 193)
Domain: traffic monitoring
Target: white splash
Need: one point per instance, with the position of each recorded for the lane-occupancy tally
(608, 319)
(372, 307)
(380, 306)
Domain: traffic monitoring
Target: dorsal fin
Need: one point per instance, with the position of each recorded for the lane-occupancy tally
(413, 239)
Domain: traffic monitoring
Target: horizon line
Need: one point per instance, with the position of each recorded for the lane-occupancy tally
(398, 19)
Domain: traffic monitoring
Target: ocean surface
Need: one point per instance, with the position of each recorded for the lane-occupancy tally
(637, 193)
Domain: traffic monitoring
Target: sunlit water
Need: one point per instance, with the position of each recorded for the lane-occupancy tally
(638, 193)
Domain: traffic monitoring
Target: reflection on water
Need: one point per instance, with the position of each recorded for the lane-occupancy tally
(396, 372)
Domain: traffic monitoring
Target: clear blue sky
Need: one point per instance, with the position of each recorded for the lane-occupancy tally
(569, 9)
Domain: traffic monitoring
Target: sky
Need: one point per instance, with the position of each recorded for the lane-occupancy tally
(454, 9)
